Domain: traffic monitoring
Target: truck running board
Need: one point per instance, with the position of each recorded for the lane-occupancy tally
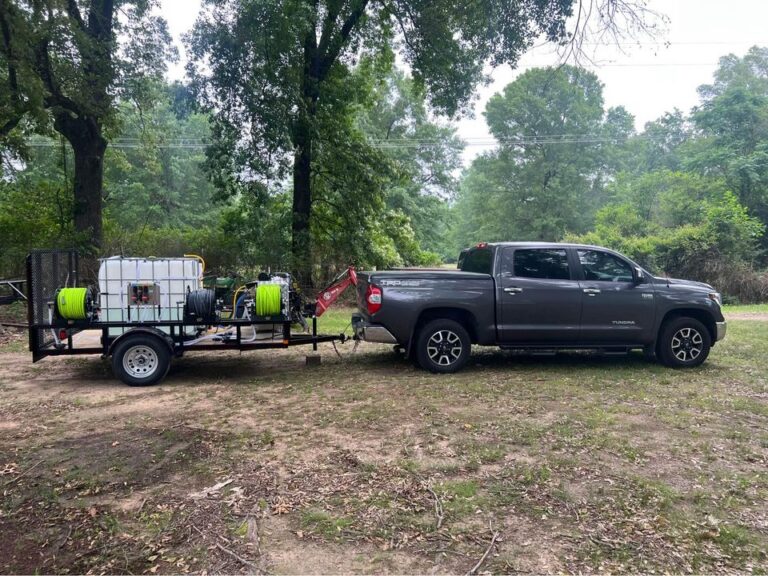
(535, 351)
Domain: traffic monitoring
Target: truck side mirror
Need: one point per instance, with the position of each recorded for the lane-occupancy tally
(639, 275)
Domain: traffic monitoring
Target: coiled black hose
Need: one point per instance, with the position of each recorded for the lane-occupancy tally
(201, 306)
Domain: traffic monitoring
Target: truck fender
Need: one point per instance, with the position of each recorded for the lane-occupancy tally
(149, 331)
(461, 315)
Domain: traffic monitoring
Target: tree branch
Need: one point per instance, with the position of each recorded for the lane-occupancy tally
(74, 13)
(9, 55)
(55, 97)
(6, 128)
(100, 21)
(328, 26)
(401, 24)
(328, 59)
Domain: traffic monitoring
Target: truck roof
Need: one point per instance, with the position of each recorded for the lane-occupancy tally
(539, 245)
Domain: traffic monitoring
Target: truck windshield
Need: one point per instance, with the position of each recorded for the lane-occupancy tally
(477, 260)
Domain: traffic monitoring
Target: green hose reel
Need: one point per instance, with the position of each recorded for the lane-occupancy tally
(74, 303)
(269, 300)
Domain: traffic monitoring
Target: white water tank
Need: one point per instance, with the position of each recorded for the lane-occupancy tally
(138, 290)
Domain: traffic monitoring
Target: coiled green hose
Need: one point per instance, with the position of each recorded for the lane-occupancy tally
(268, 300)
(71, 303)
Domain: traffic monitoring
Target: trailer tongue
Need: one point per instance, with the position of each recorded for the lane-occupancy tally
(147, 310)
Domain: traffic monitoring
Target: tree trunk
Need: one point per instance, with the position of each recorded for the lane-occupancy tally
(89, 147)
(301, 245)
(89, 180)
(303, 136)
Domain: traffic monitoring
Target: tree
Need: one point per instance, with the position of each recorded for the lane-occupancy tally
(546, 177)
(269, 68)
(154, 177)
(426, 153)
(733, 128)
(662, 145)
(70, 60)
(685, 225)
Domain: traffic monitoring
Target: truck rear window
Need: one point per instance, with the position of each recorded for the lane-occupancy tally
(545, 264)
(478, 260)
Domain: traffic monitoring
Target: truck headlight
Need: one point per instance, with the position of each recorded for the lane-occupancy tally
(716, 297)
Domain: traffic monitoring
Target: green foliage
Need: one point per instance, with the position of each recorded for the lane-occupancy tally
(545, 178)
(64, 66)
(688, 196)
(219, 249)
(158, 200)
(148, 183)
(425, 153)
(733, 119)
(32, 215)
(700, 232)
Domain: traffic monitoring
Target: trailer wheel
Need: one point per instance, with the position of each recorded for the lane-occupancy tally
(443, 346)
(141, 360)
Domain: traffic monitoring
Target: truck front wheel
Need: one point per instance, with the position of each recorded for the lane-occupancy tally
(683, 343)
(443, 346)
(141, 360)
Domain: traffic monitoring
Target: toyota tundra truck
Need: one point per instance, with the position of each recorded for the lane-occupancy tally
(538, 297)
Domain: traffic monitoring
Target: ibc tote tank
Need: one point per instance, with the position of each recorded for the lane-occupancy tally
(166, 280)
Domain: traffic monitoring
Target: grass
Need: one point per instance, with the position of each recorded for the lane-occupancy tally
(336, 320)
(583, 464)
(745, 308)
(14, 312)
(17, 345)
(323, 524)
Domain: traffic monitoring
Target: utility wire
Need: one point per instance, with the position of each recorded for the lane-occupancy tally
(398, 143)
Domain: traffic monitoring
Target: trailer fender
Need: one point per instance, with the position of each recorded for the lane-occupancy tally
(150, 332)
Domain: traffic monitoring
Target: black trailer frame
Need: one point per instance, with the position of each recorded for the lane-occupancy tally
(48, 270)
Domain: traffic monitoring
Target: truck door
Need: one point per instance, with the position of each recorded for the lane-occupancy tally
(615, 308)
(540, 297)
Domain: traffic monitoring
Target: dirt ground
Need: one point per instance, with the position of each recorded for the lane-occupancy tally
(258, 463)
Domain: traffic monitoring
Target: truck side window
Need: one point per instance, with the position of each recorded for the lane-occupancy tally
(478, 260)
(604, 267)
(546, 264)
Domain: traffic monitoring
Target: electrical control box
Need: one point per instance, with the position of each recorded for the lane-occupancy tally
(144, 294)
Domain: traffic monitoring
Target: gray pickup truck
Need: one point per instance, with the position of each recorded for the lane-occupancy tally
(537, 296)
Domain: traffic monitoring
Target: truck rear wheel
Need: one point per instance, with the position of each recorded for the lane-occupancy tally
(443, 346)
(683, 343)
(141, 360)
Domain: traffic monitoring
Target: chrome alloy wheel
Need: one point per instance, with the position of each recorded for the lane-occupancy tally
(687, 344)
(140, 361)
(444, 347)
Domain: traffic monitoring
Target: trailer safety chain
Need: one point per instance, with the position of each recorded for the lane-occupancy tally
(344, 341)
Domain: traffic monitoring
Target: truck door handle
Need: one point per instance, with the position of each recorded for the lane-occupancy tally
(513, 290)
(591, 291)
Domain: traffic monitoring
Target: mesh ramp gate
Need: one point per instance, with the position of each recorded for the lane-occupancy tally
(47, 271)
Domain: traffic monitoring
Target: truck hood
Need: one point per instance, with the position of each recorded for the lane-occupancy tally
(686, 283)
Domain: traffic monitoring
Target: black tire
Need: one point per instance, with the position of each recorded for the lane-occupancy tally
(141, 360)
(443, 346)
(683, 343)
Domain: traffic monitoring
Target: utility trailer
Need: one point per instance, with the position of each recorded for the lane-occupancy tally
(148, 319)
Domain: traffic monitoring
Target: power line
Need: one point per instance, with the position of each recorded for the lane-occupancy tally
(400, 143)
